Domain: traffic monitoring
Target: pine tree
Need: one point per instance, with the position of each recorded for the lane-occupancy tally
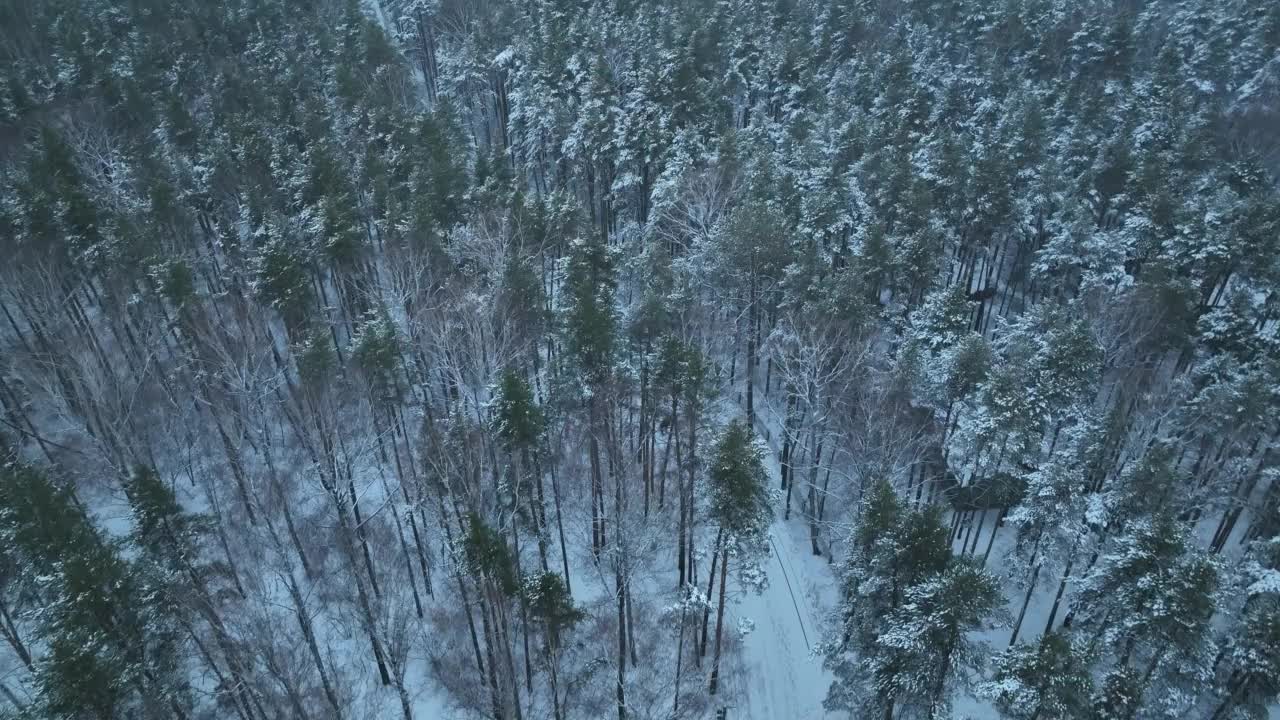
(739, 505)
(1025, 253)
(590, 321)
(182, 585)
(747, 257)
(924, 651)
(111, 644)
(894, 552)
(551, 606)
(1247, 671)
(1044, 680)
(520, 422)
(1150, 604)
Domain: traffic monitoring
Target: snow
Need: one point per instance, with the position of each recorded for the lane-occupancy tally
(780, 676)
(504, 58)
(783, 678)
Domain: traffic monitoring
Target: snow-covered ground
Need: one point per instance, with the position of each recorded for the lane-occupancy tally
(782, 677)
(777, 675)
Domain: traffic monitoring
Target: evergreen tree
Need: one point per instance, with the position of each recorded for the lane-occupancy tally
(740, 506)
(551, 606)
(1018, 255)
(1045, 680)
(897, 557)
(590, 321)
(924, 651)
(181, 584)
(111, 645)
(1248, 668)
(1150, 604)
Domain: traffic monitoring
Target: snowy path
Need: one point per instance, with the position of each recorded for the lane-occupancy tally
(781, 678)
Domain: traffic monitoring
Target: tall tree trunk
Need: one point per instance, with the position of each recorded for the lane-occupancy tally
(1062, 584)
(413, 480)
(715, 659)
(1026, 600)
(752, 331)
(308, 634)
(404, 545)
(619, 564)
(597, 492)
(788, 429)
(503, 626)
(711, 584)
(995, 528)
(462, 589)
(553, 670)
(691, 465)
(564, 550)
(681, 527)
(813, 489)
(977, 534)
(675, 701)
(631, 629)
(9, 632)
(646, 461)
(622, 642)
(495, 685)
(524, 603)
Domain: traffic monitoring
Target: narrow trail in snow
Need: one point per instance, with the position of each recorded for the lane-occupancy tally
(783, 566)
(782, 679)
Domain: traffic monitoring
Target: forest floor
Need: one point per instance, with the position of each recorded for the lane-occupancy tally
(782, 677)
(778, 675)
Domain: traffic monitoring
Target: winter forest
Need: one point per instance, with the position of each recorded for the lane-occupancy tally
(684, 360)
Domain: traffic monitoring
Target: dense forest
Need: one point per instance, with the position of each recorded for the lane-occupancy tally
(571, 359)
